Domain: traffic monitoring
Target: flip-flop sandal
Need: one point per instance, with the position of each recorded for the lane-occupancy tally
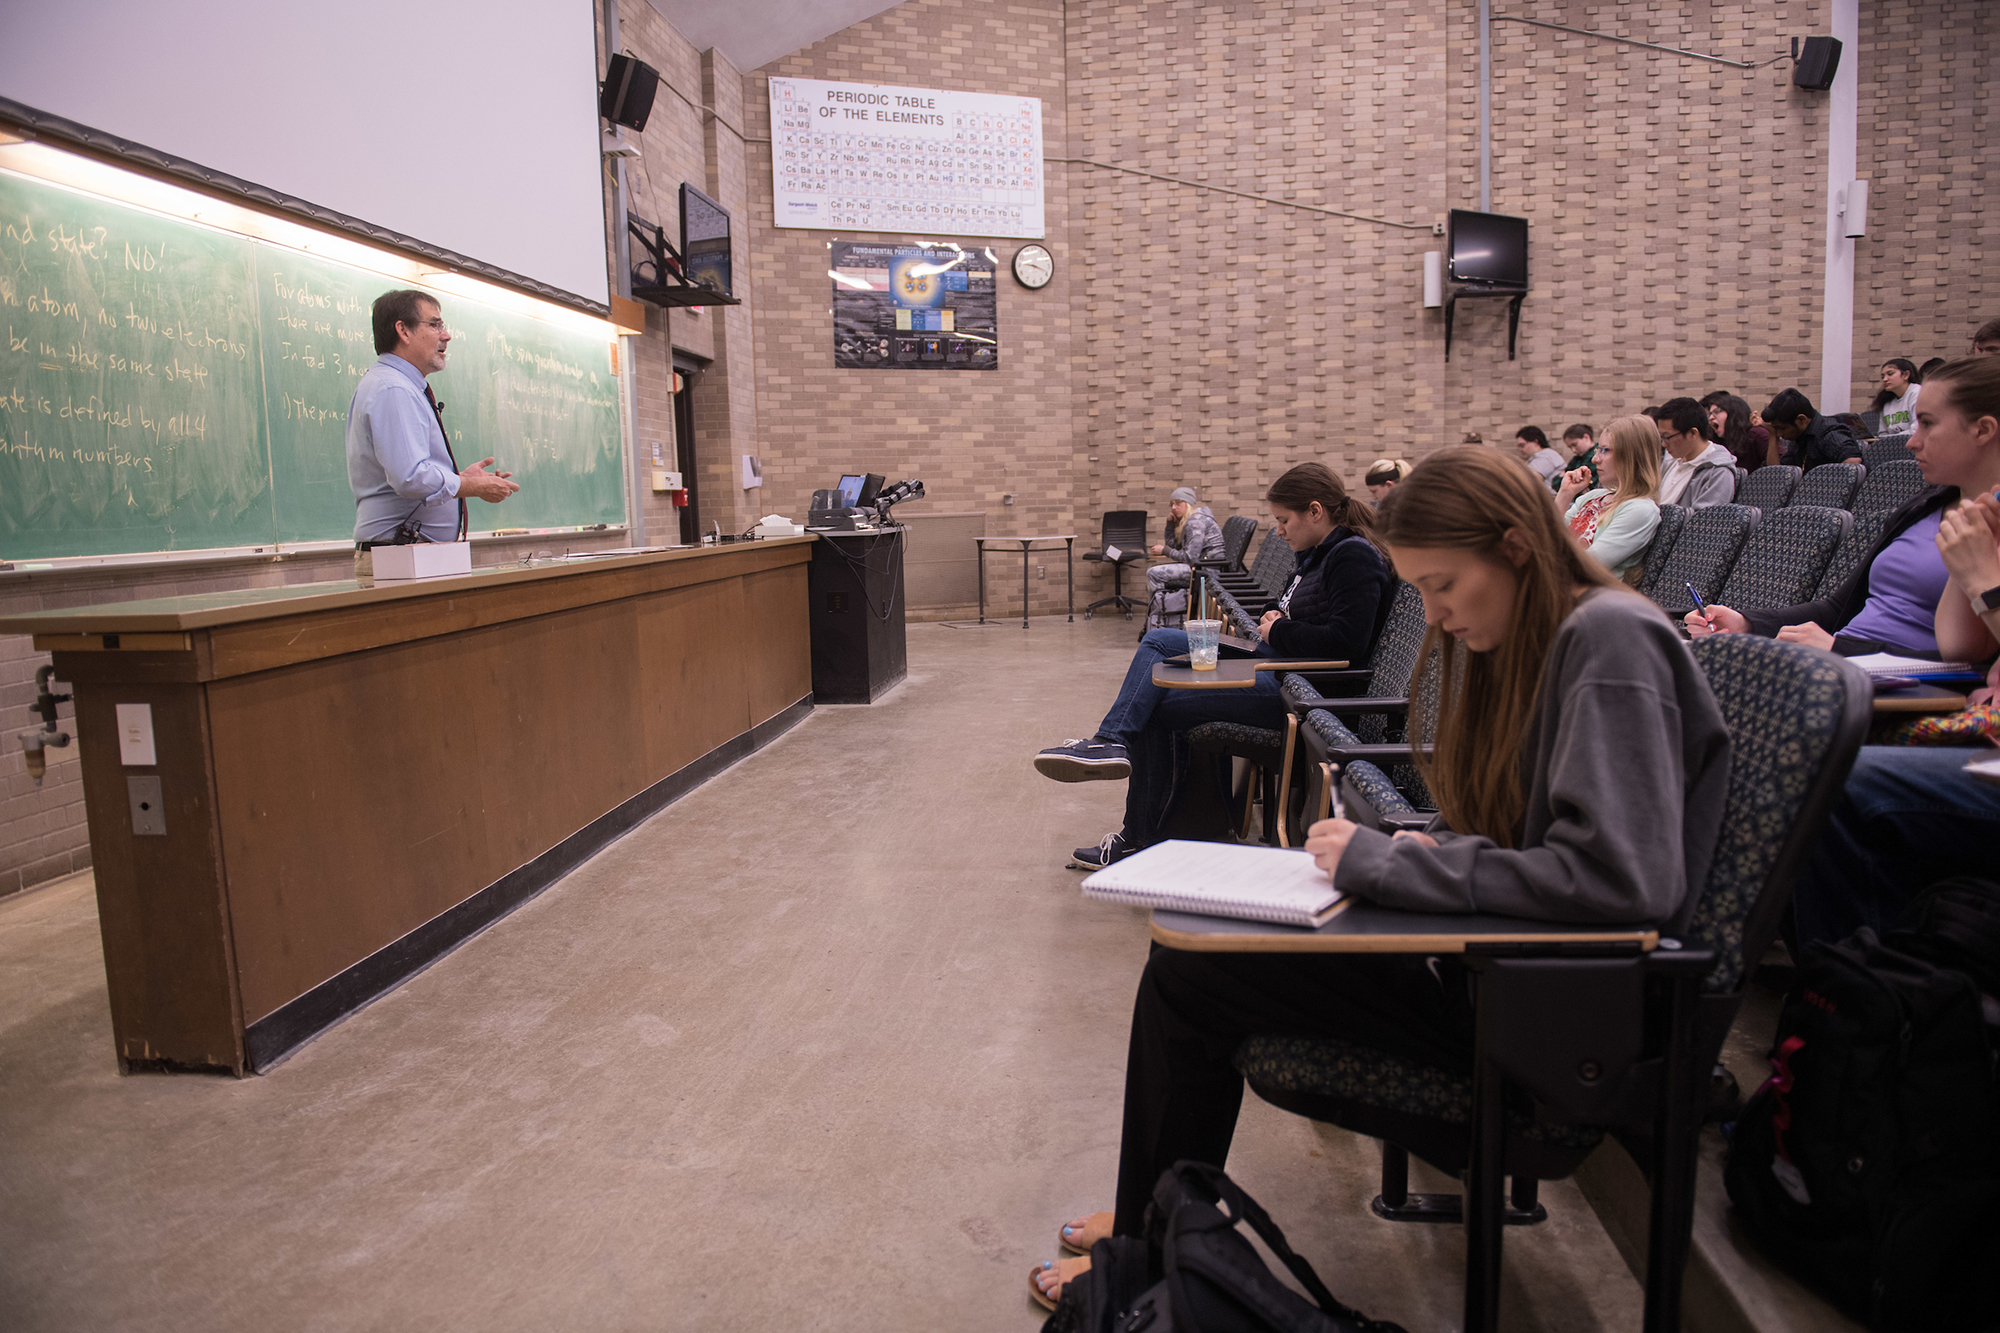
(1096, 1227)
(1069, 1270)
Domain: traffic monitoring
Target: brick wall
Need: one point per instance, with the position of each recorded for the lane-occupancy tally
(1676, 209)
(1222, 339)
(972, 437)
(1927, 101)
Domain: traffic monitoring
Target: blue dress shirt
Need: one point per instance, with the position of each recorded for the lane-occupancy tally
(397, 460)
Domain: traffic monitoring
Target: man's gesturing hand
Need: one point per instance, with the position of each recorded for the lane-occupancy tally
(476, 483)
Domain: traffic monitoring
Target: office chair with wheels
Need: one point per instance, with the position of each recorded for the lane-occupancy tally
(1572, 1046)
(1123, 530)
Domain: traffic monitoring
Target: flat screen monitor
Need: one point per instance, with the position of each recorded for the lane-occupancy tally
(871, 486)
(1487, 249)
(705, 240)
(850, 490)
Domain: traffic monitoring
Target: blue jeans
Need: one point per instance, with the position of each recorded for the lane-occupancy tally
(1147, 719)
(1907, 818)
(1139, 699)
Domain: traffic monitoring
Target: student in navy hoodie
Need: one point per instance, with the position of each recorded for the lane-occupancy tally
(1333, 611)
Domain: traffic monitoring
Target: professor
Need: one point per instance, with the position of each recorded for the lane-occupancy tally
(407, 485)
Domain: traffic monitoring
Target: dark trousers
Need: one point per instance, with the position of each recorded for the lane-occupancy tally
(1158, 750)
(1909, 816)
(1182, 1093)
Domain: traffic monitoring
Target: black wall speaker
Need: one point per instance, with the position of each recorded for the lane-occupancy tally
(626, 97)
(1817, 64)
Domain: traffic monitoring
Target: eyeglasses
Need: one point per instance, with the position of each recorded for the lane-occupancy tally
(437, 324)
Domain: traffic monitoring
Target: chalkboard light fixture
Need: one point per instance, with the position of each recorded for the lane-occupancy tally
(626, 95)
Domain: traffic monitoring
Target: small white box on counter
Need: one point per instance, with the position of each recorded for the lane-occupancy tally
(422, 560)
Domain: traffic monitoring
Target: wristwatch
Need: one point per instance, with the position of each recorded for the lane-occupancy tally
(1984, 603)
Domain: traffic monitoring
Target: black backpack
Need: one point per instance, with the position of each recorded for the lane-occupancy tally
(1193, 1273)
(1869, 1164)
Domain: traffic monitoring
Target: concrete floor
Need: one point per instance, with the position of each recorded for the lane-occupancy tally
(832, 1043)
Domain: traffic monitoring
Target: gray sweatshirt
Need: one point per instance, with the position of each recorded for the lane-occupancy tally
(1200, 539)
(1626, 765)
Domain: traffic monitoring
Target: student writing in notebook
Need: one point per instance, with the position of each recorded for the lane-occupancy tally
(1889, 604)
(1580, 768)
(1910, 815)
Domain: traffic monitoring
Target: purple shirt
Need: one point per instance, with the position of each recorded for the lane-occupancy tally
(1904, 585)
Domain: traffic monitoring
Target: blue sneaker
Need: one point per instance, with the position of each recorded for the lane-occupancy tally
(1112, 849)
(1084, 761)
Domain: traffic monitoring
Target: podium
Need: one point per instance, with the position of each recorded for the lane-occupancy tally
(855, 593)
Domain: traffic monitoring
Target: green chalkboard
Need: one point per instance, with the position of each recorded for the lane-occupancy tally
(165, 386)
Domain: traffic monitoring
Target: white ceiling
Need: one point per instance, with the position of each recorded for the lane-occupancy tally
(756, 32)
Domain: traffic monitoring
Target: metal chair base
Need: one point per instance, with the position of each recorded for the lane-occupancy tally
(1126, 604)
(1396, 1204)
(1448, 1208)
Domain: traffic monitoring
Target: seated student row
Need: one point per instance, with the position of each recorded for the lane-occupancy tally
(1181, 1101)
(1544, 654)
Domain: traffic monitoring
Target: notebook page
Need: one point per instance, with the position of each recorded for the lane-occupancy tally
(1889, 664)
(1220, 879)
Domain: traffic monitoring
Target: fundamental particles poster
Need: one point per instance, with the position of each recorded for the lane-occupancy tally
(917, 306)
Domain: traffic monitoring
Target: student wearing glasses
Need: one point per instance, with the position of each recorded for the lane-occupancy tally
(1697, 473)
(407, 485)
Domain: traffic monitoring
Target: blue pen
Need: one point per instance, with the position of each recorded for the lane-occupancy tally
(1699, 605)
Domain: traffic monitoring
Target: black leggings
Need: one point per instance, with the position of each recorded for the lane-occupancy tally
(1182, 1093)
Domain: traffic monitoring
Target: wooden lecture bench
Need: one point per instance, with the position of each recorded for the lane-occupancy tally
(356, 778)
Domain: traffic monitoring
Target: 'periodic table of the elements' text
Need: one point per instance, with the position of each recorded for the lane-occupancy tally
(872, 158)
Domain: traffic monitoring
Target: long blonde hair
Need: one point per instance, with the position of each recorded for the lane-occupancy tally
(1635, 447)
(1469, 499)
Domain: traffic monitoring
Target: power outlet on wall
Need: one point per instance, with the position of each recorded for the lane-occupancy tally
(1041, 571)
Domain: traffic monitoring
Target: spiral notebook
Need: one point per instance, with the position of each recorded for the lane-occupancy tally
(1222, 879)
(1917, 668)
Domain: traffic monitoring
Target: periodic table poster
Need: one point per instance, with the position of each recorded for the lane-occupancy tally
(861, 156)
(926, 305)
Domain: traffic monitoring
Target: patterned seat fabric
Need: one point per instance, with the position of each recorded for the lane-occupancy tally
(1885, 450)
(1257, 744)
(1672, 518)
(1769, 488)
(1782, 562)
(1861, 537)
(1326, 1067)
(1394, 665)
(1233, 612)
(1890, 486)
(1706, 549)
(1830, 486)
(1383, 796)
(1782, 704)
